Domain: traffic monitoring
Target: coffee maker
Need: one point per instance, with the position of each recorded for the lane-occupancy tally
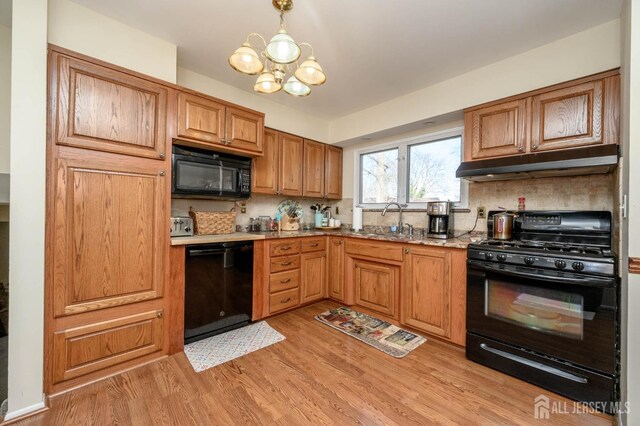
(440, 219)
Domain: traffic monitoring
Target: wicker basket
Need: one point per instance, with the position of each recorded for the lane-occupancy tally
(213, 223)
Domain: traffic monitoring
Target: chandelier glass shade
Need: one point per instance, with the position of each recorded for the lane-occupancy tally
(277, 59)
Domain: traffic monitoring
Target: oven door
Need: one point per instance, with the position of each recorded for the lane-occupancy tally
(567, 316)
(204, 178)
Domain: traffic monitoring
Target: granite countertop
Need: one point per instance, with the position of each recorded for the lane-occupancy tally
(461, 242)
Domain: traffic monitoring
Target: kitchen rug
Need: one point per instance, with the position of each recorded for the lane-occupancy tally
(382, 335)
(216, 350)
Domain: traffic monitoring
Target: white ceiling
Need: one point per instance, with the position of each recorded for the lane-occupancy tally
(371, 50)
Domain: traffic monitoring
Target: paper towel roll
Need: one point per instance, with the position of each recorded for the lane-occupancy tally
(357, 219)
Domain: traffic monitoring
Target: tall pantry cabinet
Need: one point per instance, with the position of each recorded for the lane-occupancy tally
(108, 186)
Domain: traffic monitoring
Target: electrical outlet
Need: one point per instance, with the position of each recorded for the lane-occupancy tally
(243, 209)
(337, 210)
(482, 212)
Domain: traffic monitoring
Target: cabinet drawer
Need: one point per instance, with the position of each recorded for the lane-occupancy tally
(88, 348)
(377, 250)
(284, 248)
(284, 299)
(314, 244)
(284, 281)
(285, 263)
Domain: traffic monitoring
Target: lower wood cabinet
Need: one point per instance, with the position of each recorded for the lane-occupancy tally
(376, 286)
(313, 272)
(336, 288)
(89, 348)
(433, 291)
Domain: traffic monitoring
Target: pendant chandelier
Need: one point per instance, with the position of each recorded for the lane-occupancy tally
(276, 60)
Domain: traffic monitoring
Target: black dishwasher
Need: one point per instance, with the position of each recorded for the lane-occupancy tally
(218, 288)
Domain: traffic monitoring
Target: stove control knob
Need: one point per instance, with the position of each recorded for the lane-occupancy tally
(529, 260)
(561, 264)
(578, 266)
(502, 257)
(488, 255)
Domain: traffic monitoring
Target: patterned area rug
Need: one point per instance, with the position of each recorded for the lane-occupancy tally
(219, 349)
(382, 335)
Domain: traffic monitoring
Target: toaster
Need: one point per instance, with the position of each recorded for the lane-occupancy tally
(181, 227)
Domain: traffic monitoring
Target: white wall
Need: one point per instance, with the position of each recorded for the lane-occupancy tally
(588, 52)
(630, 135)
(5, 96)
(82, 30)
(27, 205)
(277, 116)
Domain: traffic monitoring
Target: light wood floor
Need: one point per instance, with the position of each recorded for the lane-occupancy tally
(317, 376)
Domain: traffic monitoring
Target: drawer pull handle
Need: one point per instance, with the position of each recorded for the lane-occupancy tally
(285, 248)
(315, 245)
(286, 300)
(286, 263)
(288, 280)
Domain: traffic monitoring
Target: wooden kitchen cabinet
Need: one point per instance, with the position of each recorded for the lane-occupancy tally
(264, 176)
(313, 276)
(336, 288)
(290, 164)
(571, 115)
(313, 169)
(497, 130)
(433, 291)
(205, 121)
(107, 109)
(333, 172)
(376, 286)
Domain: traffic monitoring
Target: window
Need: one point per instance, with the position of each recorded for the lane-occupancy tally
(413, 172)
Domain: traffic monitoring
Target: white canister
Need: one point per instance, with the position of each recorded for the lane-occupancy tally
(332, 223)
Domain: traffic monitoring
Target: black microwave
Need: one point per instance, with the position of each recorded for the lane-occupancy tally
(198, 173)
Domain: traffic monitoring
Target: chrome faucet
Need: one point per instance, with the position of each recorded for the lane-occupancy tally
(400, 224)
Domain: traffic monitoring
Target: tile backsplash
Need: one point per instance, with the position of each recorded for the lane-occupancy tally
(594, 192)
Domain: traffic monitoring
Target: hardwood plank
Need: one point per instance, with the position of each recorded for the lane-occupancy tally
(316, 376)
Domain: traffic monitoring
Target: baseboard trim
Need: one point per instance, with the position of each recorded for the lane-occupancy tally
(21, 414)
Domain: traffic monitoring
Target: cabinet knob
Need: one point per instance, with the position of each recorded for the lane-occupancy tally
(286, 300)
(520, 149)
(534, 147)
(161, 155)
(407, 251)
(161, 172)
(159, 314)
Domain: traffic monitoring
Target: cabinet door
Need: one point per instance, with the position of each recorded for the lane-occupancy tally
(109, 242)
(497, 130)
(313, 273)
(376, 286)
(106, 110)
(333, 172)
(569, 117)
(290, 165)
(264, 176)
(313, 179)
(92, 347)
(245, 130)
(336, 269)
(426, 292)
(201, 119)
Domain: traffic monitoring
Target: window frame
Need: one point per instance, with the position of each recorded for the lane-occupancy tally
(402, 145)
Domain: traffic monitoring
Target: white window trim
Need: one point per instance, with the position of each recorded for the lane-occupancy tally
(402, 145)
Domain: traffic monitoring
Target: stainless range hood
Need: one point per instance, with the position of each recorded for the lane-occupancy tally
(571, 162)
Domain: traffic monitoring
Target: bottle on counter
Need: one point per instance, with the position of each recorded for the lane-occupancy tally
(521, 205)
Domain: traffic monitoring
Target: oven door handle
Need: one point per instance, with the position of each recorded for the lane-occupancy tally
(587, 281)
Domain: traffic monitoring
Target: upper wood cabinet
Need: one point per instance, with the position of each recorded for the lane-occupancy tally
(264, 177)
(575, 114)
(313, 169)
(497, 130)
(204, 120)
(103, 109)
(290, 164)
(295, 166)
(110, 239)
(333, 172)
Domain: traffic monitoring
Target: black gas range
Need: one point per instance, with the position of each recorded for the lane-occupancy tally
(544, 306)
